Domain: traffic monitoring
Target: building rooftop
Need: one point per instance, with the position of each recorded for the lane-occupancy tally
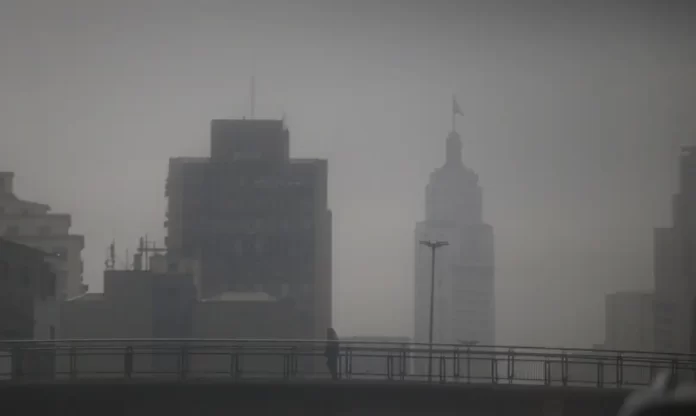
(378, 339)
(13, 245)
(87, 297)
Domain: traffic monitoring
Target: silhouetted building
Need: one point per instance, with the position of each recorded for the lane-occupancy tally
(28, 308)
(629, 321)
(464, 274)
(27, 293)
(33, 224)
(675, 265)
(134, 305)
(146, 304)
(254, 219)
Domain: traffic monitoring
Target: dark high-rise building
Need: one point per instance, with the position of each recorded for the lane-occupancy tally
(254, 219)
(675, 265)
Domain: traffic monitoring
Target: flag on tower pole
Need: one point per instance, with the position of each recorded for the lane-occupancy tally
(455, 110)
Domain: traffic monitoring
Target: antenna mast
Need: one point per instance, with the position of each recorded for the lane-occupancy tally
(253, 96)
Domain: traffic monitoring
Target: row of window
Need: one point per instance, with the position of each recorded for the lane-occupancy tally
(14, 231)
(47, 283)
(23, 211)
(257, 225)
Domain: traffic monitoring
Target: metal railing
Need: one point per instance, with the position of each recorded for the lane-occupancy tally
(248, 359)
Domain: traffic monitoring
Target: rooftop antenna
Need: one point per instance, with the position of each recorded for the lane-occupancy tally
(253, 96)
(111, 256)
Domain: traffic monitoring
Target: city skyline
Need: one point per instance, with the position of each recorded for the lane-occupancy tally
(92, 111)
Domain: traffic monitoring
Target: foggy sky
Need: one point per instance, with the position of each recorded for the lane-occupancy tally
(574, 117)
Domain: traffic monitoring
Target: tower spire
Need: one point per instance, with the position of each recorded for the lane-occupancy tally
(455, 110)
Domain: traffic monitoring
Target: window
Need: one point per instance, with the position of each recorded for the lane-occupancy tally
(12, 231)
(44, 230)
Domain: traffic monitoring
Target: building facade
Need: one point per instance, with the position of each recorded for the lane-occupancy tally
(28, 310)
(33, 224)
(629, 321)
(464, 307)
(675, 265)
(254, 219)
(27, 293)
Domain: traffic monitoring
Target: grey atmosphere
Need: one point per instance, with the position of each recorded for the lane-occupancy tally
(573, 120)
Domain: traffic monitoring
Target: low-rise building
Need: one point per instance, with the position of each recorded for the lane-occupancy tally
(146, 304)
(32, 224)
(28, 307)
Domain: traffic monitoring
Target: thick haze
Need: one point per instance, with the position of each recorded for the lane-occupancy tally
(574, 117)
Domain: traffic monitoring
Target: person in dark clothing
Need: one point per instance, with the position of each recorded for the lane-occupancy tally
(332, 352)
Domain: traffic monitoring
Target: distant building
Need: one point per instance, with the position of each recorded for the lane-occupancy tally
(253, 219)
(27, 293)
(134, 305)
(675, 265)
(630, 321)
(28, 307)
(373, 357)
(464, 271)
(147, 304)
(33, 224)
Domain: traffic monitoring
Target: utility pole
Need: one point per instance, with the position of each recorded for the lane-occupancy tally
(434, 245)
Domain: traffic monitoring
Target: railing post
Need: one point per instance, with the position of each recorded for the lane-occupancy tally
(128, 362)
(547, 371)
(349, 362)
(390, 367)
(619, 370)
(675, 369)
(443, 369)
(494, 370)
(17, 364)
(402, 363)
(652, 372)
(511, 366)
(183, 359)
(73, 363)
(456, 364)
(564, 368)
(468, 365)
(295, 362)
(600, 374)
(234, 366)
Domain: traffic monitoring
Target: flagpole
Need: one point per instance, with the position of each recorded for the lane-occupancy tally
(454, 126)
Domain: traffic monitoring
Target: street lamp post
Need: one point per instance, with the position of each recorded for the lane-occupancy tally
(434, 245)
